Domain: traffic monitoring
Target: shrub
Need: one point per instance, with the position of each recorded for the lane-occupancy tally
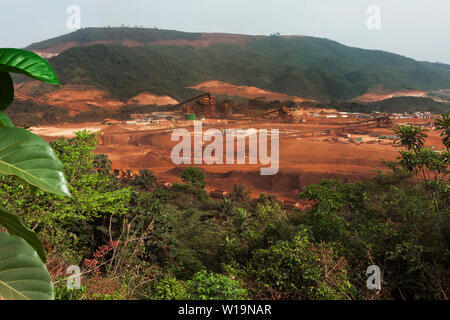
(170, 288)
(65, 293)
(212, 286)
(299, 269)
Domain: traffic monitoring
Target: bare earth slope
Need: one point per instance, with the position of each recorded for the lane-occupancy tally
(221, 87)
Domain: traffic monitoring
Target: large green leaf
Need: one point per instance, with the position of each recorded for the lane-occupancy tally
(23, 275)
(5, 121)
(27, 63)
(29, 157)
(14, 225)
(6, 90)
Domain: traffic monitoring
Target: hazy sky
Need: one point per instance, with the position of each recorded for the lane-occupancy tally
(415, 28)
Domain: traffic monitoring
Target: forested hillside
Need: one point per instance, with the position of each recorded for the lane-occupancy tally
(302, 66)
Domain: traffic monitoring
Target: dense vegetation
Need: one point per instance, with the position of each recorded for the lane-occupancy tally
(27, 113)
(138, 240)
(307, 67)
(393, 105)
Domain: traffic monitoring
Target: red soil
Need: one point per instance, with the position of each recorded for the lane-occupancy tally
(209, 39)
(303, 161)
(220, 87)
(378, 95)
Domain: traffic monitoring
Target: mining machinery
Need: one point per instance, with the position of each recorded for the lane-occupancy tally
(383, 121)
(204, 106)
(285, 114)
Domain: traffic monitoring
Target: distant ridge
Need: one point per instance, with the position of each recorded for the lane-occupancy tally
(136, 37)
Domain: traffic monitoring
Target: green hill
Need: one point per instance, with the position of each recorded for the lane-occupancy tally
(303, 66)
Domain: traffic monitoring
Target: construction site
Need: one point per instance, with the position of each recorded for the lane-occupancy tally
(315, 144)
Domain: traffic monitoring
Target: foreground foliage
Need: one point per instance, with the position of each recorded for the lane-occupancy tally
(135, 239)
(29, 158)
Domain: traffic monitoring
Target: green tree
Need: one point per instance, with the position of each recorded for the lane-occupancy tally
(194, 183)
(444, 125)
(144, 179)
(410, 136)
(239, 193)
(433, 165)
(194, 177)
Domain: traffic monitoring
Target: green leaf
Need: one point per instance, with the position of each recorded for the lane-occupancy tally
(27, 63)
(23, 275)
(15, 227)
(27, 156)
(6, 90)
(5, 121)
